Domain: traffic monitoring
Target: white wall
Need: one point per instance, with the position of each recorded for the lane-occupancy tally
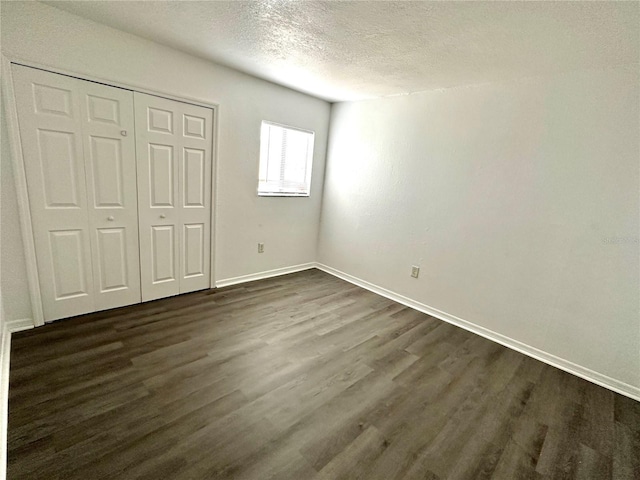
(519, 202)
(288, 226)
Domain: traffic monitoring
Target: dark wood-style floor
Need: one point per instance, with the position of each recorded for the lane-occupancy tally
(300, 377)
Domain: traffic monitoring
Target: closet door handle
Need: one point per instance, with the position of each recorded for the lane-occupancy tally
(110, 218)
(162, 215)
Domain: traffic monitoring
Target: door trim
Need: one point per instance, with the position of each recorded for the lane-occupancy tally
(22, 194)
(20, 179)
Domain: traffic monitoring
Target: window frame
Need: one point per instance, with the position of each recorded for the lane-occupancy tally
(309, 161)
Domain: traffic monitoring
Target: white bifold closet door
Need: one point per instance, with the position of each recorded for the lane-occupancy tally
(173, 146)
(79, 153)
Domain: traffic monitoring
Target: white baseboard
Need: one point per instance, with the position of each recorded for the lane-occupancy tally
(18, 325)
(8, 328)
(266, 274)
(566, 365)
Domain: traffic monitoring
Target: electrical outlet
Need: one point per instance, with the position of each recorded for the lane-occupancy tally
(261, 248)
(415, 271)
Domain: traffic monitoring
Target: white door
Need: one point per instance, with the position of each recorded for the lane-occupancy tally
(173, 146)
(51, 134)
(110, 165)
(81, 180)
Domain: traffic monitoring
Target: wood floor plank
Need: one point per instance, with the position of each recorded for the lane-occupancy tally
(301, 377)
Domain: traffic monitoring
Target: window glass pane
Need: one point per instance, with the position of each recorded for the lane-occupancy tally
(296, 149)
(285, 160)
(275, 154)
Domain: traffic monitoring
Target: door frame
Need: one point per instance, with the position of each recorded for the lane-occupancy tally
(20, 178)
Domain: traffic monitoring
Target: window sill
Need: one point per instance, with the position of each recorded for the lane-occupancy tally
(279, 194)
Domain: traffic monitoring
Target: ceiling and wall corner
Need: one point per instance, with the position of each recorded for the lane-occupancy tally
(342, 51)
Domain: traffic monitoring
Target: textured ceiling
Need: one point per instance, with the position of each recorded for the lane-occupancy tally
(355, 50)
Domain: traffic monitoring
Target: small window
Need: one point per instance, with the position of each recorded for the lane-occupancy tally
(286, 155)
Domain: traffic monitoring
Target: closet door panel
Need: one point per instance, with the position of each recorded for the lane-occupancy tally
(173, 142)
(195, 199)
(57, 159)
(50, 121)
(163, 254)
(109, 145)
(157, 164)
(194, 250)
(114, 259)
(162, 185)
(67, 249)
(107, 171)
